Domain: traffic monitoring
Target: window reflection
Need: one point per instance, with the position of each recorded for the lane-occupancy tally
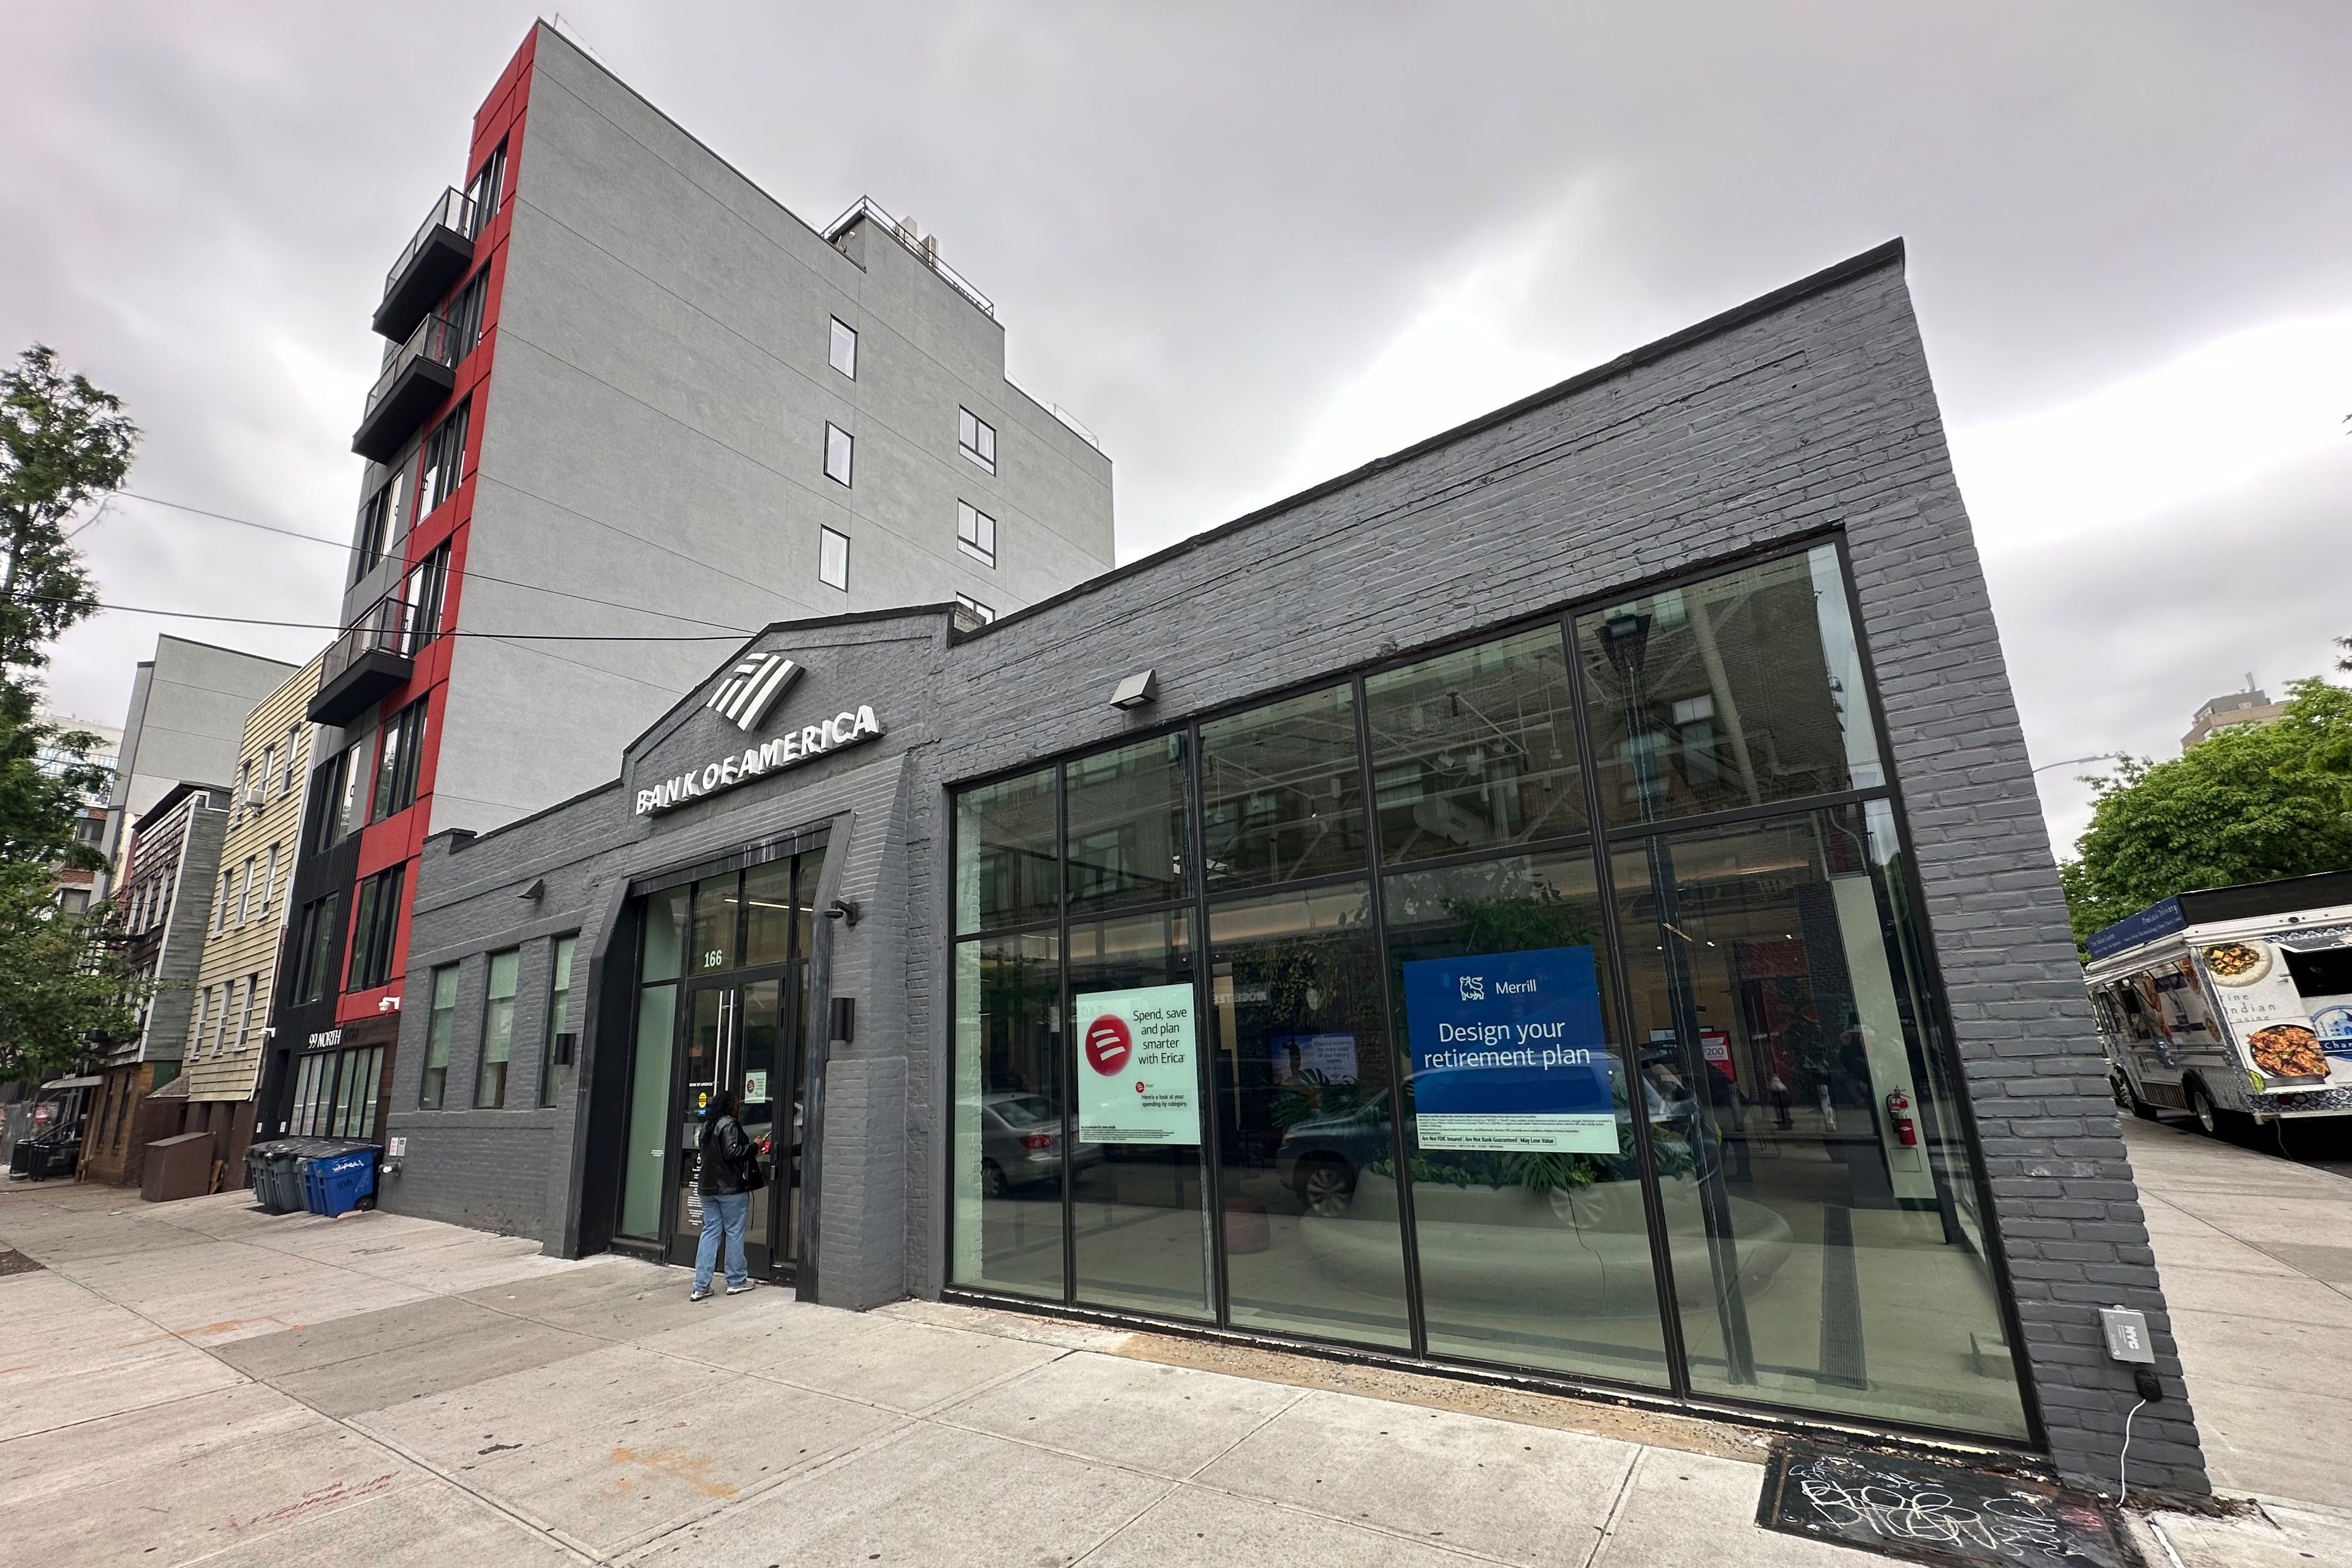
(1306, 1095)
(1006, 867)
(1528, 1255)
(1838, 1273)
(1474, 750)
(1007, 1174)
(1281, 795)
(1128, 827)
(1739, 691)
(1138, 1210)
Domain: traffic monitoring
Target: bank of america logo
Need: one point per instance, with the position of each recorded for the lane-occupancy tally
(752, 687)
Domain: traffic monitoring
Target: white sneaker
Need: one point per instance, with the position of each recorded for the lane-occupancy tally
(739, 1290)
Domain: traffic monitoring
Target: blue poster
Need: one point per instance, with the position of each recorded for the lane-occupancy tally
(1508, 1052)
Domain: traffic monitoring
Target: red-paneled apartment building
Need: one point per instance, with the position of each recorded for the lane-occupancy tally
(631, 410)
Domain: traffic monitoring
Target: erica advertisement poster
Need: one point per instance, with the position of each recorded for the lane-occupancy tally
(1138, 1080)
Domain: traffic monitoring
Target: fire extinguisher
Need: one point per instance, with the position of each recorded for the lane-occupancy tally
(1898, 1117)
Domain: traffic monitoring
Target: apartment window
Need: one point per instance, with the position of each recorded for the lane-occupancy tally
(838, 445)
(268, 882)
(268, 766)
(977, 436)
(196, 1024)
(498, 1030)
(973, 608)
(245, 892)
(395, 771)
(559, 1000)
(843, 352)
(438, 1029)
(464, 315)
(487, 188)
(422, 597)
(90, 829)
(444, 459)
(315, 945)
(248, 1026)
(833, 558)
(976, 532)
(375, 925)
(244, 782)
(220, 905)
(380, 516)
(293, 756)
(74, 900)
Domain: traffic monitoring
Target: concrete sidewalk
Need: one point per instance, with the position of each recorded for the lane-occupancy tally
(197, 1381)
(2256, 1256)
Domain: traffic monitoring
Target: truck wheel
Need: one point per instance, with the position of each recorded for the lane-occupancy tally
(2210, 1119)
(2128, 1098)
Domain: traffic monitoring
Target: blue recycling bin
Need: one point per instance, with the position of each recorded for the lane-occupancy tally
(338, 1184)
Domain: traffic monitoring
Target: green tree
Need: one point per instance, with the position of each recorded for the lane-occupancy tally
(63, 980)
(2243, 806)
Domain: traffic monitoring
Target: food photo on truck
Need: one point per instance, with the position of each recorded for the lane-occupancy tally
(2231, 1004)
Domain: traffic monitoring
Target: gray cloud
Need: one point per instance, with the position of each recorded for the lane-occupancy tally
(1204, 225)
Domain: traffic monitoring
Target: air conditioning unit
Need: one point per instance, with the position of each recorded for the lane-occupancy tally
(257, 797)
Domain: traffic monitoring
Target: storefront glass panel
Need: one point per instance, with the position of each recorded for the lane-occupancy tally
(1475, 750)
(1006, 872)
(1281, 793)
(1741, 690)
(1306, 1098)
(717, 918)
(1130, 835)
(1532, 1236)
(665, 948)
(768, 913)
(1138, 1200)
(1836, 1275)
(1006, 1175)
(649, 1084)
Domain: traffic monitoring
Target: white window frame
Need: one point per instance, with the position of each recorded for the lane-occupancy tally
(245, 892)
(196, 1031)
(985, 613)
(848, 448)
(976, 439)
(245, 1020)
(841, 348)
(976, 533)
(228, 1005)
(826, 546)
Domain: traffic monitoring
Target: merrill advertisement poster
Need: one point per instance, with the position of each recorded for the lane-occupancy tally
(1139, 1081)
(1508, 1052)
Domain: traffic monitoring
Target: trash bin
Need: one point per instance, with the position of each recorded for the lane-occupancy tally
(179, 1167)
(274, 1170)
(339, 1183)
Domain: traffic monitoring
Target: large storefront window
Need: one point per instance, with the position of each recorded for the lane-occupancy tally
(1459, 1035)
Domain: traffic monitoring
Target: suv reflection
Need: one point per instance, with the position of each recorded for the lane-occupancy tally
(1021, 1143)
(1320, 1158)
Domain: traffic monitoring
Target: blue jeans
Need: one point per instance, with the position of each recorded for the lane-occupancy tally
(727, 1211)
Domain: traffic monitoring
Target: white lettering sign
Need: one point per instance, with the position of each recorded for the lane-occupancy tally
(806, 744)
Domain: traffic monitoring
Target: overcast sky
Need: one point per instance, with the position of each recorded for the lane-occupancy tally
(1251, 245)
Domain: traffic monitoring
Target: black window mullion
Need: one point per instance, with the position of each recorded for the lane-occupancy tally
(1065, 1066)
(1204, 988)
(1400, 1053)
(1629, 1050)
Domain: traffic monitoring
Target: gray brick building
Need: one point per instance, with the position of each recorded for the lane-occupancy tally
(1662, 711)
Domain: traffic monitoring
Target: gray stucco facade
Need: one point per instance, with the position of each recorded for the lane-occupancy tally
(1806, 415)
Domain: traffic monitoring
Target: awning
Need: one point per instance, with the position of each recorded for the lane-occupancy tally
(91, 1081)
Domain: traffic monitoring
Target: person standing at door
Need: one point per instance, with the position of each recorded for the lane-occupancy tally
(728, 1175)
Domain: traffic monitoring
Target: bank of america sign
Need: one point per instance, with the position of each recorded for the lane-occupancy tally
(744, 697)
(746, 692)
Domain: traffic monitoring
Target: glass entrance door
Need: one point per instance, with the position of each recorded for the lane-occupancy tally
(740, 1035)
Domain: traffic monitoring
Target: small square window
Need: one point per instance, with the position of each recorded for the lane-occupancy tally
(837, 448)
(977, 436)
(973, 608)
(976, 532)
(833, 558)
(843, 350)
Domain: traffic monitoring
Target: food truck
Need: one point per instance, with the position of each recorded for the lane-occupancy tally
(2231, 1004)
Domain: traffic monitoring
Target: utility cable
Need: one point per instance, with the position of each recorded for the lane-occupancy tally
(470, 574)
(331, 626)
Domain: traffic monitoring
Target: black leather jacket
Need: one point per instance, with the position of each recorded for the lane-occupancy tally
(727, 1156)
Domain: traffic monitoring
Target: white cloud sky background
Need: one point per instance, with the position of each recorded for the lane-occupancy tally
(1251, 248)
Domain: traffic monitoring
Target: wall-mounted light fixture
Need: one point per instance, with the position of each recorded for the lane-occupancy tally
(843, 910)
(1137, 689)
(536, 891)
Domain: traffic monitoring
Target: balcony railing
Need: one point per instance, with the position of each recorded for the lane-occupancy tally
(374, 655)
(435, 256)
(420, 373)
(925, 248)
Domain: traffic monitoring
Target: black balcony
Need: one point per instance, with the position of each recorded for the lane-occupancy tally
(373, 659)
(436, 258)
(421, 373)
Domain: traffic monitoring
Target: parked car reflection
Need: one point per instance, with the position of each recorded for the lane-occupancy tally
(1021, 1143)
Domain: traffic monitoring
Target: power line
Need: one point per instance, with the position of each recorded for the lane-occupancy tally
(331, 626)
(468, 575)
